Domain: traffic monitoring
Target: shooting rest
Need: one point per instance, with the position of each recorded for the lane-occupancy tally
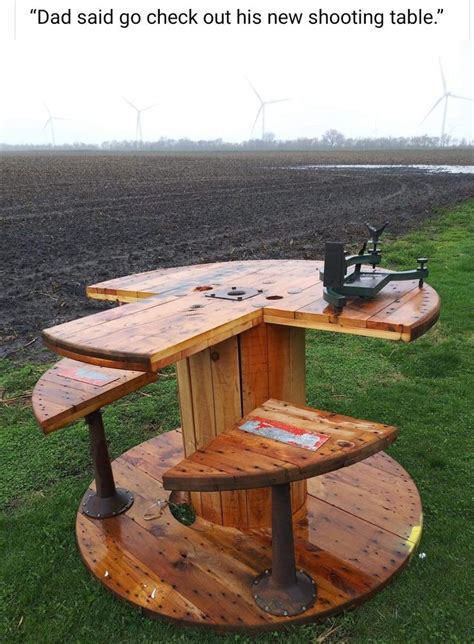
(340, 283)
(353, 529)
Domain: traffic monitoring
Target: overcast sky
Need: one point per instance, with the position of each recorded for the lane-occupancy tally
(360, 80)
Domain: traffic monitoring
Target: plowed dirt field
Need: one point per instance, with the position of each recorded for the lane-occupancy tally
(69, 219)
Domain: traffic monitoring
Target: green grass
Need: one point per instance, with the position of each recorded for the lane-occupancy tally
(425, 388)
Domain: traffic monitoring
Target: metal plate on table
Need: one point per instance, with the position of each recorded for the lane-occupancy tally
(87, 375)
(236, 293)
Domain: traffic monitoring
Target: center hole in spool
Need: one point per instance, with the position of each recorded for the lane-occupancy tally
(236, 292)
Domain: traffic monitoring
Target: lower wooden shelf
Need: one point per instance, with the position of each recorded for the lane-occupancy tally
(358, 528)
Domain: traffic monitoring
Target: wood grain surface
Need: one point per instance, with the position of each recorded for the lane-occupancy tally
(59, 400)
(237, 460)
(358, 528)
(219, 385)
(170, 316)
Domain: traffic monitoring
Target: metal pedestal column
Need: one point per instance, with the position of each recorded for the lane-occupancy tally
(107, 501)
(283, 590)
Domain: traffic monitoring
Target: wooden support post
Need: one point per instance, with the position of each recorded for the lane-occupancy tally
(221, 384)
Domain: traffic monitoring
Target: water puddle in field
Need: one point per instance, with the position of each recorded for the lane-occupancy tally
(433, 169)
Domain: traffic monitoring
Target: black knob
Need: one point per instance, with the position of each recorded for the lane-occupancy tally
(421, 266)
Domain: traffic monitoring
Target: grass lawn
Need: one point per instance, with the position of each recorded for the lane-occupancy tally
(425, 388)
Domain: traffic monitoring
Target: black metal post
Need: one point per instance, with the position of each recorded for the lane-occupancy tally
(104, 479)
(283, 590)
(108, 500)
(283, 547)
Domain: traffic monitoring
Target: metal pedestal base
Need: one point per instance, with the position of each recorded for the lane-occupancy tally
(283, 590)
(99, 507)
(107, 501)
(289, 601)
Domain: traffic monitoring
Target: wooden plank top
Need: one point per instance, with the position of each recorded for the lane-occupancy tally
(359, 527)
(310, 442)
(70, 390)
(170, 315)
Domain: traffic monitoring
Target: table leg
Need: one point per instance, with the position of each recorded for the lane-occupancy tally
(221, 384)
(108, 500)
(283, 590)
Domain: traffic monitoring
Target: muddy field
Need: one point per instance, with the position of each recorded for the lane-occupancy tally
(70, 219)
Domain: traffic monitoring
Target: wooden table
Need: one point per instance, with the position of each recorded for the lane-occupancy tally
(231, 356)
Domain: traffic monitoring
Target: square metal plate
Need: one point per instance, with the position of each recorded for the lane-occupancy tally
(236, 293)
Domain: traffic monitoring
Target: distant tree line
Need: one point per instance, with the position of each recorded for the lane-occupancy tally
(331, 140)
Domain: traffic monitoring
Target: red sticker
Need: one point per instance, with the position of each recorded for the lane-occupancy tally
(282, 433)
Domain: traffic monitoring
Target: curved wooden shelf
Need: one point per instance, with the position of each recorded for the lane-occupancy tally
(71, 390)
(237, 460)
(171, 316)
(358, 528)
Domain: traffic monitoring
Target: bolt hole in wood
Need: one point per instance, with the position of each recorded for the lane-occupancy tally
(345, 444)
(203, 288)
(274, 297)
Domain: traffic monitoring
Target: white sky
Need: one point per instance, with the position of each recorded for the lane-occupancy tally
(360, 80)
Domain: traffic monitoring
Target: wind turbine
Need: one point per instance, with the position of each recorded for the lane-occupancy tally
(50, 122)
(138, 127)
(445, 97)
(261, 109)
